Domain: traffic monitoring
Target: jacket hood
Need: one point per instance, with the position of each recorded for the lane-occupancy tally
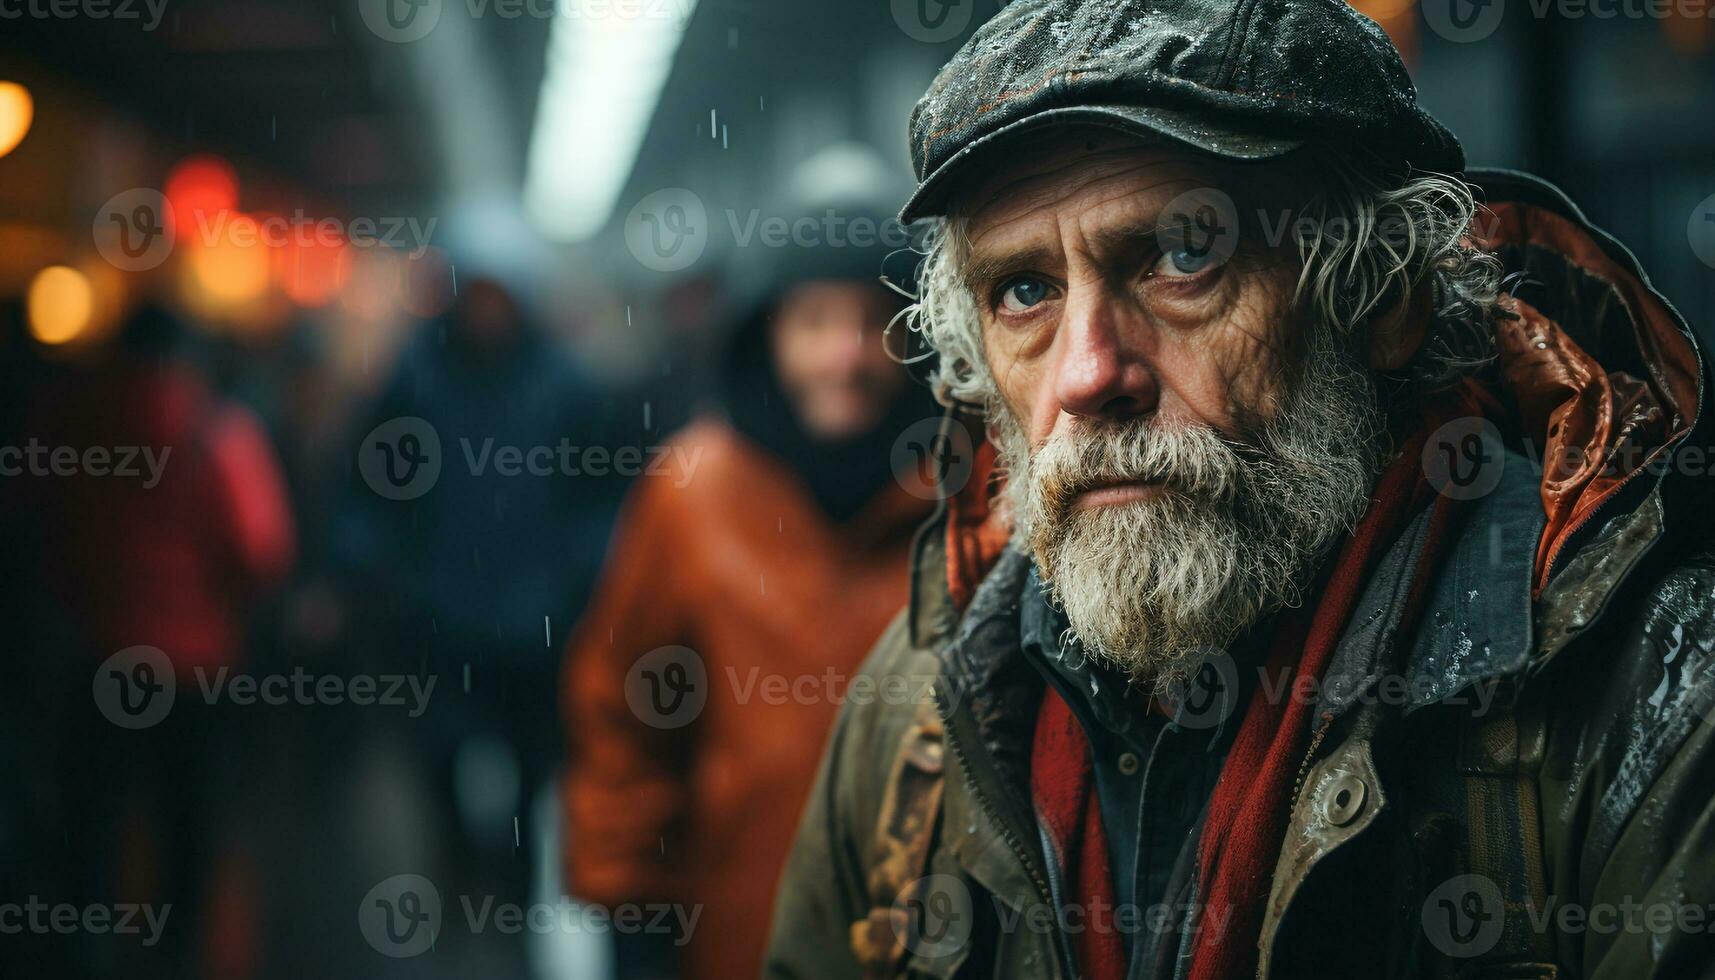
(842, 476)
(1600, 381)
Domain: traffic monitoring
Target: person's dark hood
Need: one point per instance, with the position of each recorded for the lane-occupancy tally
(841, 475)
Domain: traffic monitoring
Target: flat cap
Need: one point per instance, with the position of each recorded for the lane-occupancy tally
(1240, 79)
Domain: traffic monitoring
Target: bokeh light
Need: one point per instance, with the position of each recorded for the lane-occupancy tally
(17, 111)
(199, 188)
(311, 273)
(61, 303)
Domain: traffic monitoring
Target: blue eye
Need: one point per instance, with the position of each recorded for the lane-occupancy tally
(1021, 294)
(1185, 261)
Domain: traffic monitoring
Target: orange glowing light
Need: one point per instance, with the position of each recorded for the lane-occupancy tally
(233, 268)
(312, 273)
(199, 188)
(17, 111)
(61, 303)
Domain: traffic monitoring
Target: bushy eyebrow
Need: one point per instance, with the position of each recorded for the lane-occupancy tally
(1122, 241)
(985, 270)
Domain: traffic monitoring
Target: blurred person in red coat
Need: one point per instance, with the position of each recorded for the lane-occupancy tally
(158, 520)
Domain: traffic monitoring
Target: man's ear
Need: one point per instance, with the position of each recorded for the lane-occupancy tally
(1397, 333)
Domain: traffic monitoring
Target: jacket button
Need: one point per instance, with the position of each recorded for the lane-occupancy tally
(1128, 763)
(1343, 799)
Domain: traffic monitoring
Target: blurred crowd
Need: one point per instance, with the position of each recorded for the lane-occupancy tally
(283, 640)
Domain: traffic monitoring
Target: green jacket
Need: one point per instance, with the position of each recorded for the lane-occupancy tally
(1524, 786)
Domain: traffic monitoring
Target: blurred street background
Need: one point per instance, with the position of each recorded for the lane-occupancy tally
(259, 231)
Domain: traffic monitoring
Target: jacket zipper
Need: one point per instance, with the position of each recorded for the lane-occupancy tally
(1007, 833)
(1579, 525)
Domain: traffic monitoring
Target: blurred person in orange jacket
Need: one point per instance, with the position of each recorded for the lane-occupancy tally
(741, 590)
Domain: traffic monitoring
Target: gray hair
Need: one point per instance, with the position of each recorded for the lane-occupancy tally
(1369, 242)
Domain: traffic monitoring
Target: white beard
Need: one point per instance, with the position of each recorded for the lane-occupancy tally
(1156, 586)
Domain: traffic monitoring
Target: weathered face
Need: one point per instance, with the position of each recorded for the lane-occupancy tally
(1182, 446)
(828, 353)
(1087, 312)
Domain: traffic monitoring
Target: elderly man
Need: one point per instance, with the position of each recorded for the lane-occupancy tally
(1357, 606)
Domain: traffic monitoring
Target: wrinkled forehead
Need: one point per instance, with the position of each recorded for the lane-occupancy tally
(1097, 176)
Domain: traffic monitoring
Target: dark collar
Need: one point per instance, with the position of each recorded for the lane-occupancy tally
(1096, 691)
(1477, 621)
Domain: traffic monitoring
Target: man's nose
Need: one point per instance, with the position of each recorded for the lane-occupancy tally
(1102, 371)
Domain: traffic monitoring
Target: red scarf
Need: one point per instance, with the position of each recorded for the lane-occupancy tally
(1248, 810)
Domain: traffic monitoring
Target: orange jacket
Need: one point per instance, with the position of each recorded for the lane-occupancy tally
(728, 556)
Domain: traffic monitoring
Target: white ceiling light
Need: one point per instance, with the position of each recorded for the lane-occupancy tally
(607, 62)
